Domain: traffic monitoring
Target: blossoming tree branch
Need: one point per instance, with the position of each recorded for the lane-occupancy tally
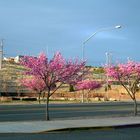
(35, 84)
(88, 85)
(56, 71)
(128, 75)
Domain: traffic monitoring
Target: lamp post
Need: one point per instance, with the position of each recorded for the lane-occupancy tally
(1, 53)
(108, 63)
(83, 44)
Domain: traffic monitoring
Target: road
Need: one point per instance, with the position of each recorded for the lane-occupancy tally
(114, 134)
(64, 111)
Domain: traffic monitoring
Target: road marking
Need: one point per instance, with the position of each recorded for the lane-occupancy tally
(76, 108)
(84, 111)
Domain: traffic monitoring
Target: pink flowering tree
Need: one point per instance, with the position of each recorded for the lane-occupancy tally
(88, 85)
(54, 73)
(128, 75)
(34, 84)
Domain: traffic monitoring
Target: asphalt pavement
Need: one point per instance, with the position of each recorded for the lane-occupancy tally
(65, 111)
(101, 118)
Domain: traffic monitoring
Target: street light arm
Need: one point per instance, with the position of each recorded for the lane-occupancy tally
(100, 30)
(90, 37)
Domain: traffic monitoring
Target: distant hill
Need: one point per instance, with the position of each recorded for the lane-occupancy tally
(10, 74)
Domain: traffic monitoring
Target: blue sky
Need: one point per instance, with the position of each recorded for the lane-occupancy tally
(32, 26)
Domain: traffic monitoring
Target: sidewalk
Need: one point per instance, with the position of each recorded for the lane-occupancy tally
(46, 126)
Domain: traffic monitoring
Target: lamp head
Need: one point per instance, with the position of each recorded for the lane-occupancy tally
(118, 26)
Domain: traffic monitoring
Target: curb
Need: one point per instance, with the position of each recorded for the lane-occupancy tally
(93, 128)
(103, 128)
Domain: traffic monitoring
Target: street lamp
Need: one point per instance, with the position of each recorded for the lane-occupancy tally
(100, 30)
(1, 53)
(83, 44)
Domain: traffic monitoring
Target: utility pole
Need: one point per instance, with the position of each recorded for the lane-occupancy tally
(128, 59)
(1, 53)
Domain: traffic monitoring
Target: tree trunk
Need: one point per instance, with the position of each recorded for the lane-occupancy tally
(132, 96)
(135, 107)
(47, 107)
(39, 98)
(43, 96)
(71, 88)
(83, 96)
(88, 96)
